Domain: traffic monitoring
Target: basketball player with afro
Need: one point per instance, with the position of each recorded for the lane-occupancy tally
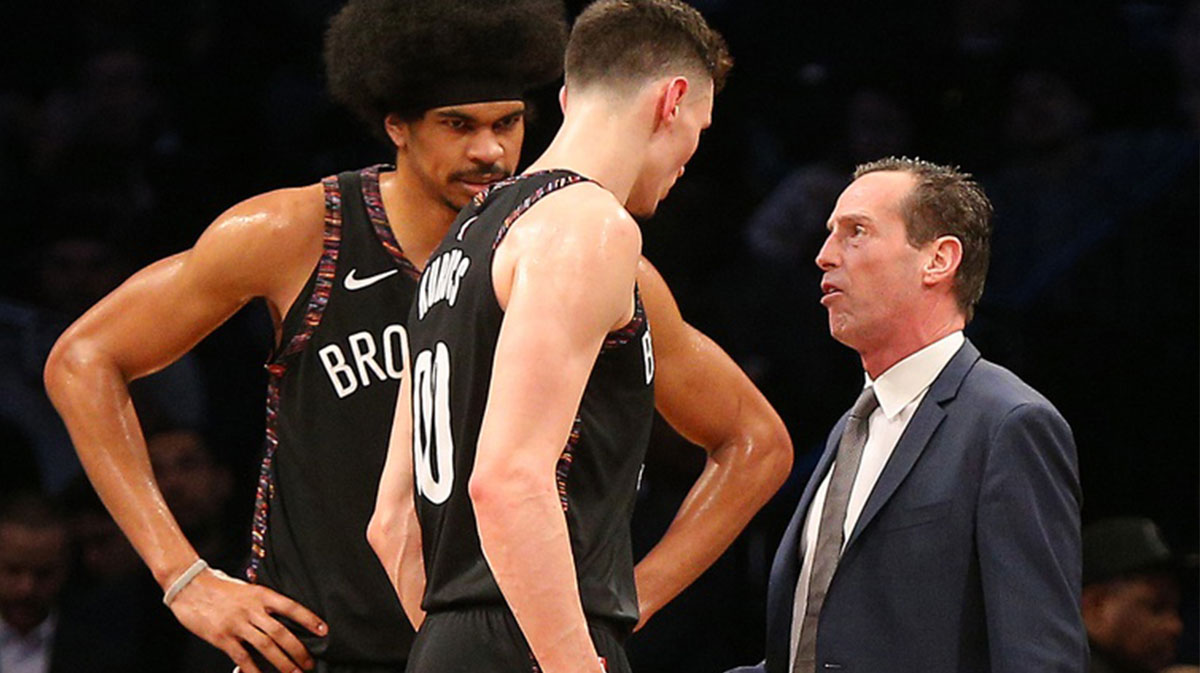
(541, 343)
(337, 262)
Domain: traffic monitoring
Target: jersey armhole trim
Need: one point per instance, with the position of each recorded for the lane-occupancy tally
(318, 298)
(538, 194)
(623, 335)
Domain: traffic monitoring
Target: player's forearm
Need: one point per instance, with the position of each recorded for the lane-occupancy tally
(738, 479)
(396, 540)
(92, 397)
(524, 538)
(411, 587)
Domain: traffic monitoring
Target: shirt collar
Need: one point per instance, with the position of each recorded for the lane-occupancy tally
(904, 381)
(37, 637)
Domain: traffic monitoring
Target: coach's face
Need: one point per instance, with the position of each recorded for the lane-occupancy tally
(872, 282)
(455, 152)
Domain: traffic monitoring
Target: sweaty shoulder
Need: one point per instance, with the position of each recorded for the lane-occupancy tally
(581, 227)
(584, 215)
(266, 245)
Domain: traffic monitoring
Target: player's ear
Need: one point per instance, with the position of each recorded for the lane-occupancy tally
(397, 129)
(562, 99)
(670, 99)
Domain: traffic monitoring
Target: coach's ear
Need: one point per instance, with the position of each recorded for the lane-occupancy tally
(397, 130)
(945, 256)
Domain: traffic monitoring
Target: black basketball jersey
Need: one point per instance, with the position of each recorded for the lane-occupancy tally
(453, 328)
(331, 398)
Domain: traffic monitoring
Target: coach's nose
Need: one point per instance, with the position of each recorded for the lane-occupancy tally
(828, 256)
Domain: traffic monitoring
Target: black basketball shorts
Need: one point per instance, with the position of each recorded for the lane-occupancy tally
(488, 640)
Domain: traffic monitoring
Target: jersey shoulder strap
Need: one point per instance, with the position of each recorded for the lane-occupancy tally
(304, 314)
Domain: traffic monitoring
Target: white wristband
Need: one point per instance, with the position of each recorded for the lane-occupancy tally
(183, 580)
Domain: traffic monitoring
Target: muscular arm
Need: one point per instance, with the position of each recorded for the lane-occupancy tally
(142, 326)
(555, 321)
(707, 398)
(393, 531)
(1028, 545)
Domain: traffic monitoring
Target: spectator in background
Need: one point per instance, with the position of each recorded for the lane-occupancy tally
(103, 554)
(105, 146)
(37, 633)
(73, 272)
(1130, 596)
(33, 569)
(108, 583)
(197, 488)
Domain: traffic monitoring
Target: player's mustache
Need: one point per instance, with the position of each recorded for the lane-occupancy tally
(482, 173)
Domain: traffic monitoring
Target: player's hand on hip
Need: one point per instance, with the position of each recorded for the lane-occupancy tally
(234, 616)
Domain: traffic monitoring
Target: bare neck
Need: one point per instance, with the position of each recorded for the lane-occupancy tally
(418, 220)
(601, 141)
(901, 343)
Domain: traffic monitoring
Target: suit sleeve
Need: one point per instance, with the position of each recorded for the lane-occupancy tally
(1029, 544)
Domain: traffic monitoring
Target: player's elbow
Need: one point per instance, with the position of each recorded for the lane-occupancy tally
(70, 361)
(771, 447)
(377, 537)
(760, 454)
(498, 489)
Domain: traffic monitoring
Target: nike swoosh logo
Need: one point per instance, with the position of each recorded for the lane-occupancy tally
(353, 283)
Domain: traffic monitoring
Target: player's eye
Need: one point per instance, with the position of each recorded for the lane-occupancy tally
(508, 122)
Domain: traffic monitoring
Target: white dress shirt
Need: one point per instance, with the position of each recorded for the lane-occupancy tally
(899, 390)
(29, 653)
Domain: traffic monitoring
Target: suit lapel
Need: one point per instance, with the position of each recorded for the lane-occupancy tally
(916, 436)
(785, 570)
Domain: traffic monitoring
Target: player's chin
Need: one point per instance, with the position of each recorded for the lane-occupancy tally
(642, 209)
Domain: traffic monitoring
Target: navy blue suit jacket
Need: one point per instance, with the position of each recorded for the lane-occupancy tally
(966, 557)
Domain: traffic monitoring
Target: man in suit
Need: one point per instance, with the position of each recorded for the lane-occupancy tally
(940, 529)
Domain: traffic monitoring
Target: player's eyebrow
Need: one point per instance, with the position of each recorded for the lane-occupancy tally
(456, 114)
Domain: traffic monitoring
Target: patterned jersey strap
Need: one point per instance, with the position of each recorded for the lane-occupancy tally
(326, 267)
(623, 335)
(373, 199)
(565, 180)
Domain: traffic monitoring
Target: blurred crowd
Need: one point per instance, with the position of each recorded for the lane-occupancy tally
(127, 125)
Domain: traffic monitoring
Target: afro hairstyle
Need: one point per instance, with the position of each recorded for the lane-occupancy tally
(407, 56)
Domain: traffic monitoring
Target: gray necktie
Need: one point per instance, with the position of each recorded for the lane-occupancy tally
(830, 535)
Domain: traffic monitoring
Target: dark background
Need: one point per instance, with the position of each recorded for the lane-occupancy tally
(126, 126)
